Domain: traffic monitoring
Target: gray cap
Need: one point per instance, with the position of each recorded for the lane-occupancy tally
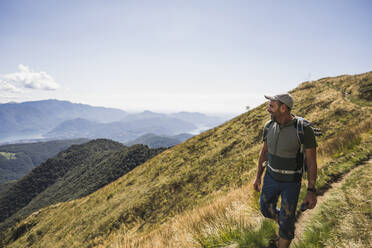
(284, 98)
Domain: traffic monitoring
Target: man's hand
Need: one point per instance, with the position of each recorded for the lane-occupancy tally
(310, 200)
(257, 184)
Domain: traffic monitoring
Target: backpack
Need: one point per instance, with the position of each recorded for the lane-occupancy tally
(301, 124)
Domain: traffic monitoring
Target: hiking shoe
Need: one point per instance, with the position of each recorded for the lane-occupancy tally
(304, 207)
(273, 243)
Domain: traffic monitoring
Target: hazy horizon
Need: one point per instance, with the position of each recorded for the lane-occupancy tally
(216, 114)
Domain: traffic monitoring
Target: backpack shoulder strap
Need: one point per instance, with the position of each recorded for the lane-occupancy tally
(301, 123)
(267, 126)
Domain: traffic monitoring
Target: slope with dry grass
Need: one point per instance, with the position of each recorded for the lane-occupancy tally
(233, 218)
(194, 175)
(344, 218)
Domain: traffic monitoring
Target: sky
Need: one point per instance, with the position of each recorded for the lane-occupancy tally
(167, 56)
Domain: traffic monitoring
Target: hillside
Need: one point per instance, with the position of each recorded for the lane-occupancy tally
(348, 198)
(18, 159)
(204, 168)
(73, 173)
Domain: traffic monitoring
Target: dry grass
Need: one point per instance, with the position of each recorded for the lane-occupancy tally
(343, 140)
(232, 210)
(345, 218)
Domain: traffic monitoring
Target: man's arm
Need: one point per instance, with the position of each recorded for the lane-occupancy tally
(260, 168)
(310, 198)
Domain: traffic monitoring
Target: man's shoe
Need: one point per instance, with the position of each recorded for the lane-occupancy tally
(273, 243)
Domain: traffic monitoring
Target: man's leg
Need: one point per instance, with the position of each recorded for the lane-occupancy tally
(283, 243)
(287, 215)
(269, 197)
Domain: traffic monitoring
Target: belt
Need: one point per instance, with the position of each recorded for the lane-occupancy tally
(286, 172)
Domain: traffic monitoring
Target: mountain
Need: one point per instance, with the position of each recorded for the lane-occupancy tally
(199, 119)
(204, 185)
(32, 119)
(73, 173)
(156, 141)
(18, 159)
(5, 186)
(143, 116)
(53, 119)
(122, 131)
(78, 127)
(182, 136)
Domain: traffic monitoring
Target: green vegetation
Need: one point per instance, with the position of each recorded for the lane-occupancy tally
(18, 159)
(200, 170)
(243, 236)
(75, 172)
(345, 218)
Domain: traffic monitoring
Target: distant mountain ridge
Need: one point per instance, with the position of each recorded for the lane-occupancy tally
(54, 119)
(36, 117)
(122, 131)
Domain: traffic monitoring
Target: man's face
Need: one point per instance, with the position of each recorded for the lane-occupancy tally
(274, 109)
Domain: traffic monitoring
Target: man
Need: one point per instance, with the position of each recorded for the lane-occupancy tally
(284, 167)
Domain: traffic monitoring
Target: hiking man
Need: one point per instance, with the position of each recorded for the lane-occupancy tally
(281, 154)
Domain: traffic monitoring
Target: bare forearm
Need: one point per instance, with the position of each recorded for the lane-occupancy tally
(261, 160)
(310, 198)
(312, 167)
(312, 174)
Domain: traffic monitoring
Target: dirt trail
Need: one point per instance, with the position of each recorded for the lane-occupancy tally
(307, 215)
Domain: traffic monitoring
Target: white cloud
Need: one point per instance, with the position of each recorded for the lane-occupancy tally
(26, 78)
(5, 86)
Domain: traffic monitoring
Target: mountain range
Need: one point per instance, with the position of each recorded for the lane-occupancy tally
(54, 119)
(32, 118)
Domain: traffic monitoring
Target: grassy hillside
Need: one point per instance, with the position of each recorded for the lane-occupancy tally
(75, 172)
(191, 176)
(352, 201)
(18, 159)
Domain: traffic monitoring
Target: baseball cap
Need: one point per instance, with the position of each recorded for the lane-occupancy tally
(284, 98)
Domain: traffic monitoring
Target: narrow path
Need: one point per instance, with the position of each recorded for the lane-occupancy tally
(306, 216)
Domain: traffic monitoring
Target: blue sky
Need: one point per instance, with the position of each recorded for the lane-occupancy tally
(169, 56)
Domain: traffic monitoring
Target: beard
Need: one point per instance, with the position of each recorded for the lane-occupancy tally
(273, 117)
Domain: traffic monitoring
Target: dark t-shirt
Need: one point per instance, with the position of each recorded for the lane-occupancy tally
(291, 130)
(283, 148)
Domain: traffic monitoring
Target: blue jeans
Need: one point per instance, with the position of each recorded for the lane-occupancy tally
(289, 192)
